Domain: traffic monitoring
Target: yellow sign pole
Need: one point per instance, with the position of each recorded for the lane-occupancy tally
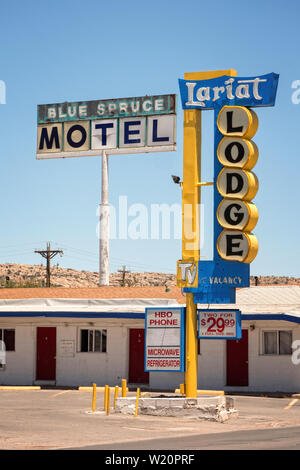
(191, 221)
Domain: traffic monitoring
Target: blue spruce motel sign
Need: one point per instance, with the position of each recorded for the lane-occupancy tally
(235, 154)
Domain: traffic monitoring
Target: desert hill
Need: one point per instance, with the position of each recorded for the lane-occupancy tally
(24, 275)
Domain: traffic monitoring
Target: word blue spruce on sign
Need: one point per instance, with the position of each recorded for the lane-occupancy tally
(233, 91)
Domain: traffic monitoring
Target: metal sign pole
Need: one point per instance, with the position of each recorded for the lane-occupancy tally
(104, 226)
(193, 275)
(191, 241)
(190, 235)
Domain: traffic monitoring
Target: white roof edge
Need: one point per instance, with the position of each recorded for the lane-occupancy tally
(84, 305)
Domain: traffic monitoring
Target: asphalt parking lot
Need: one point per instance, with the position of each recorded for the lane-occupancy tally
(62, 419)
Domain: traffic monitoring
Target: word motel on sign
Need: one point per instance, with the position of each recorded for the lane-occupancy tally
(102, 134)
(237, 184)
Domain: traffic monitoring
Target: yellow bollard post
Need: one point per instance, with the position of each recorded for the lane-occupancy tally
(124, 387)
(107, 403)
(105, 397)
(116, 395)
(137, 402)
(94, 398)
(182, 387)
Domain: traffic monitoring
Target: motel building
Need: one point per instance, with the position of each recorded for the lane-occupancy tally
(76, 337)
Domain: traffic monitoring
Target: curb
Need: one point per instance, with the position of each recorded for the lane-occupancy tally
(206, 392)
(99, 389)
(15, 387)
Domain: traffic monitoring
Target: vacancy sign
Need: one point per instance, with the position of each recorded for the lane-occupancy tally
(219, 324)
(117, 126)
(164, 339)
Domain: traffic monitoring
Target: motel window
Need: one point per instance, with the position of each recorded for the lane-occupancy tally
(8, 336)
(93, 340)
(277, 342)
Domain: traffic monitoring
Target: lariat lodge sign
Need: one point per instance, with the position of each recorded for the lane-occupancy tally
(235, 246)
(235, 184)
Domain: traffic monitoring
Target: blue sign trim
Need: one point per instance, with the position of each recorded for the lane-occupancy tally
(235, 91)
(214, 295)
(128, 315)
(270, 316)
(238, 330)
(218, 279)
(182, 338)
(139, 316)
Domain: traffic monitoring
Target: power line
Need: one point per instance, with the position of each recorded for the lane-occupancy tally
(124, 272)
(48, 254)
(115, 260)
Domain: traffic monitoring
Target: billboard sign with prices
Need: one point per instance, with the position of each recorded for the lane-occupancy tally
(164, 339)
(219, 324)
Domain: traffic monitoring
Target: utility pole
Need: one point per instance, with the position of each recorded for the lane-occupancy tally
(48, 254)
(124, 272)
(104, 226)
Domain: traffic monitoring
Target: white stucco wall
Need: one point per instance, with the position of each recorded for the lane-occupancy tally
(275, 373)
(212, 364)
(266, 373)
(84, 368)
(165, 380)
(20, 363)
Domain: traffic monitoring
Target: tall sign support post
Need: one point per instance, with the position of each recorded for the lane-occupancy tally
(191, 199)
(235, 247)
(121, 126)
(104, 226)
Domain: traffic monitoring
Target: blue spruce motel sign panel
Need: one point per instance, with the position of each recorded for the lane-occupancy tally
(215, 281)
(117, 126)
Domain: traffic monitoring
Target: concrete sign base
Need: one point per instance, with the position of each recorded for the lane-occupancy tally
(207, 408)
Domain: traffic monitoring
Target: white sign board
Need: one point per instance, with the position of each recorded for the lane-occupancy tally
(67, 348)
(123, 126)
(164, 345)
(222, 324)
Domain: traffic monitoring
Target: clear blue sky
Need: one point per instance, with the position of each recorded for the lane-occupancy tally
(70, 50)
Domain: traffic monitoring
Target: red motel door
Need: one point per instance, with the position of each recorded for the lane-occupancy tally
(136, 356)
(46, 353)
(237, 361)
